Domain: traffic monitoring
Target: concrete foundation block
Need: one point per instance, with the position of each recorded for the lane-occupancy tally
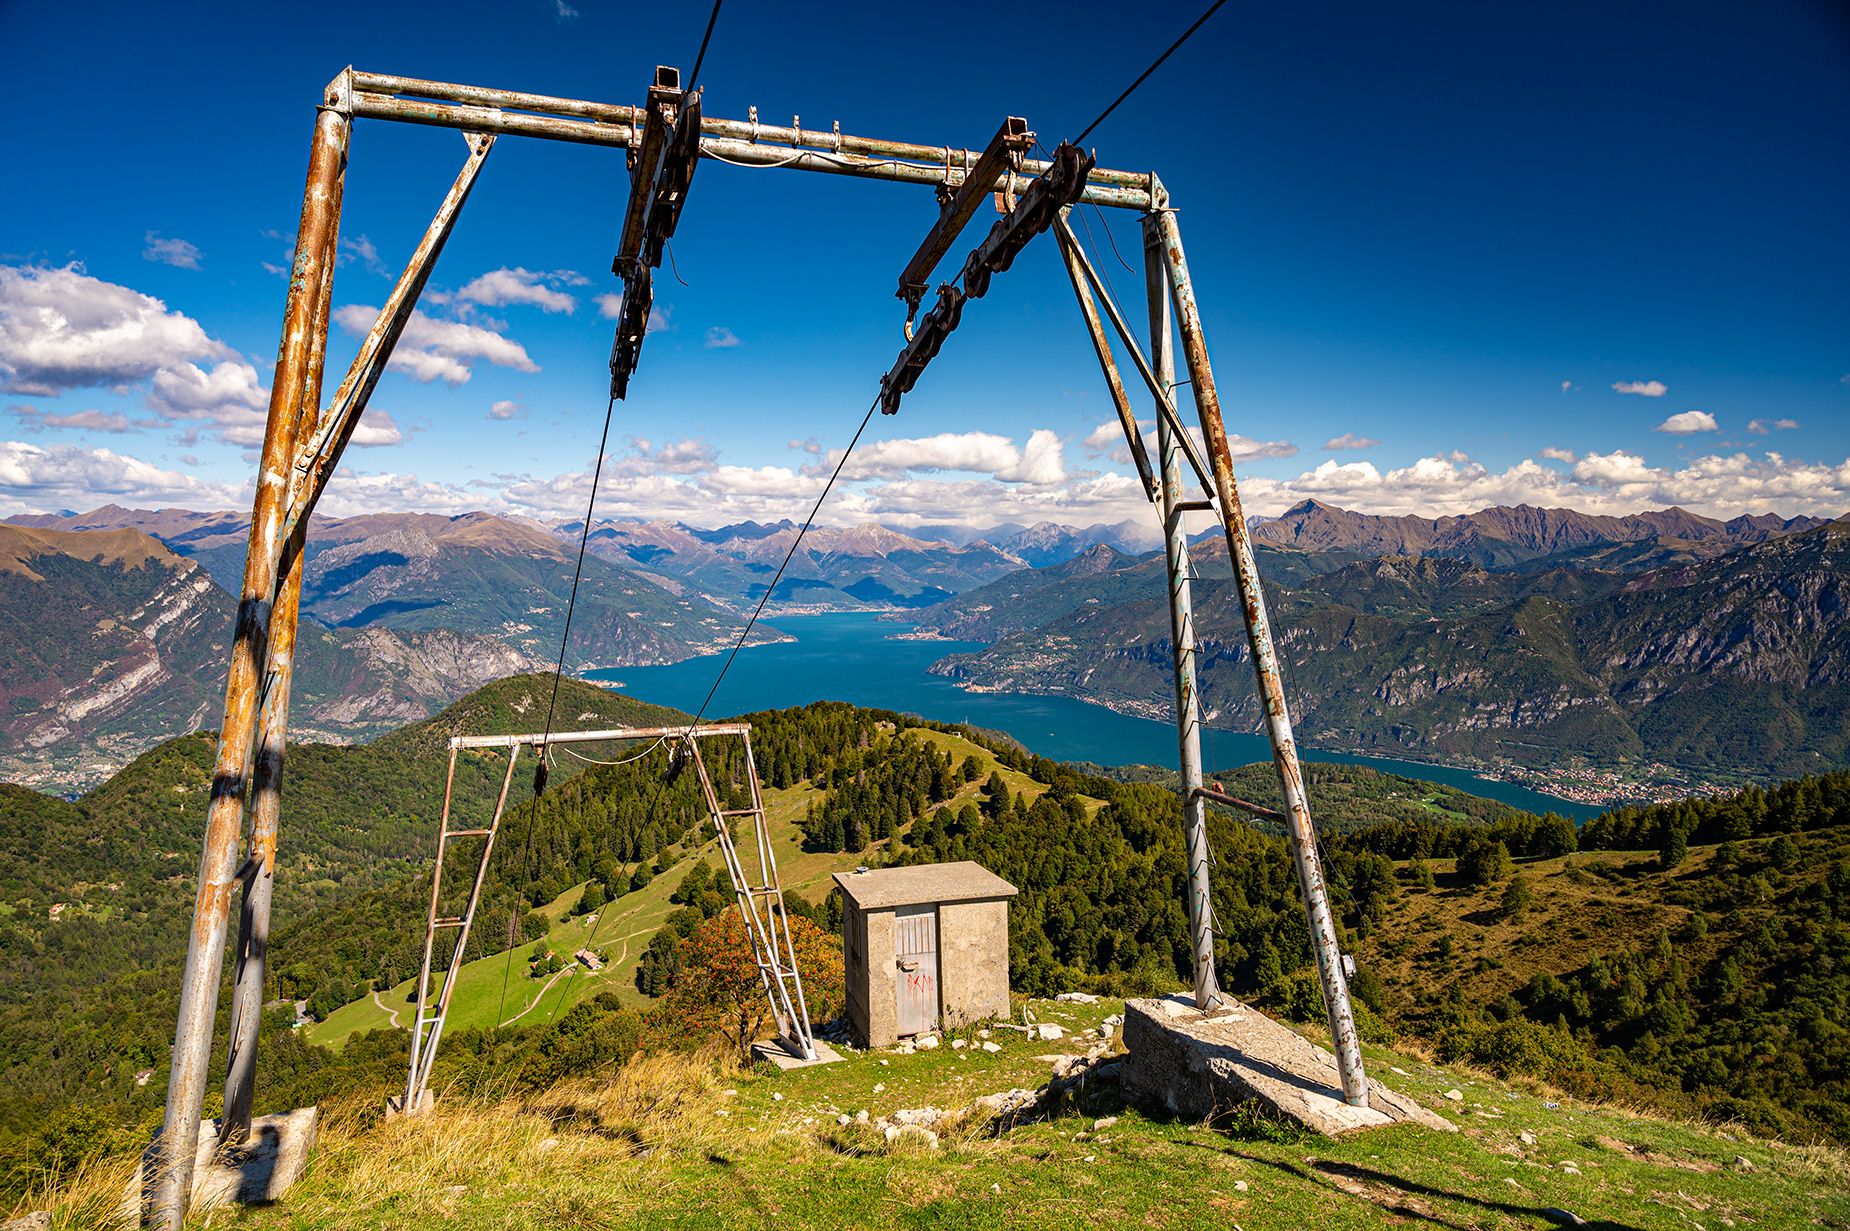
(259, 1169)
(1200, 1065)
(779, 1053)
(395, 1103)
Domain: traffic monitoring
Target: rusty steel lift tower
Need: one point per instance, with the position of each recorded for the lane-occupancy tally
(664, 139)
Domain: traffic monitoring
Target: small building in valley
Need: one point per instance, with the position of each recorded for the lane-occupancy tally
(924, 947)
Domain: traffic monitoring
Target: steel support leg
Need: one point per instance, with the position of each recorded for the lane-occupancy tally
(1170, 496)
(1299, 832)
(172, 1165)
(250, 955)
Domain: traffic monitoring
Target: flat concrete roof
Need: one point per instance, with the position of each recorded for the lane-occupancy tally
(883, 888)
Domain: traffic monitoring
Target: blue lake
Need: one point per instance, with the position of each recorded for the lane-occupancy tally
(857, 658)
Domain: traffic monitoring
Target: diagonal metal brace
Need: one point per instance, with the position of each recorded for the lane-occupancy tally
(1101, 346)
(1165, 405)
(315, 464)
(1037, 210)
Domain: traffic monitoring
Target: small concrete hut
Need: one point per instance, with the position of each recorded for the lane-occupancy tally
(924, 947)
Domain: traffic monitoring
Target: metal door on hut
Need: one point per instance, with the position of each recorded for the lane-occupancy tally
(916, 932)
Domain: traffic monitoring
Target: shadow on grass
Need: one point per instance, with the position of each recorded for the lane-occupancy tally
(1410, 1198)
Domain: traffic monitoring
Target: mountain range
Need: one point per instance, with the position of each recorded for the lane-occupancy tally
(1519, 636)
(1733, 664)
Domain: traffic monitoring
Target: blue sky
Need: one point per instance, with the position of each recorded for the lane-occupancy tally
(1449, 230)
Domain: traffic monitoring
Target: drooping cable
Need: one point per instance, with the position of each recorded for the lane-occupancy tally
(571, 604)
(693, 78)
(1145, 75)
(808, 522)
(788, 555)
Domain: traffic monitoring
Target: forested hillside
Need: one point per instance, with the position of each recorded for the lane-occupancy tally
(1690, 956)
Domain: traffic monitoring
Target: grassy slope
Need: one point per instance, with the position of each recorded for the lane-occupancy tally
(625, 926)
(669, 1143)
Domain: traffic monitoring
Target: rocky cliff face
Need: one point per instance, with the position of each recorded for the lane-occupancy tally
(110, 643)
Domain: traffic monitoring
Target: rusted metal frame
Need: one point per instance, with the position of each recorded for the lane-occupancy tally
(373, 89)
(534, 739)
(424, 1057)
(1000, 157)
(1243, 805)
(763, 940)
(802, 1036)
(317, 461)
(1037, 209)
(430, 931)
(1165, 401)
(1101, 346)
(250, 955)
(729, 141)
(172, 1169)
(1299, 830)
(1182, 642)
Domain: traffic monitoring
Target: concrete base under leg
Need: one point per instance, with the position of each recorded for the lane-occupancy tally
(259, 1169)
(779, 1053)
(395, 1104)
(1199, 1065)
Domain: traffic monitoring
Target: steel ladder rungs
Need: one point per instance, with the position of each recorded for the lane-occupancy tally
(467, 833)
(452, 921)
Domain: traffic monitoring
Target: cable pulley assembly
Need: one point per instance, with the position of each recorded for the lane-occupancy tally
(1036, 211)
(661, 168)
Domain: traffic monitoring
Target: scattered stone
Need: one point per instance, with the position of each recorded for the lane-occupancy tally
(1395, 1068)
(896, 1131)
(1569, 1169)
(1091, 1158)
(1455, 1094)
(551, 1143)
(1566, 1218)
(729, 1094)
(919, 1116)
(777, 1098)
(37, 1220)
(457, 1190)
(926, 1042)
(1104, 1031)
(1048, 1032)
(879, 1087)
(883, 1062)
(958, 1044)
(992, 1047)
(1103, 1122)
(1526, 1137)
(1239, 1186)
(860, 1117)
(1116, 1019)
(721, 1112)
(1077, 997)
(1551, 1106)
(1742, 1163)
(844, 1119)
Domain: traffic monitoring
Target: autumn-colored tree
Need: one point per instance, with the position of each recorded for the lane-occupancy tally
(717, 990)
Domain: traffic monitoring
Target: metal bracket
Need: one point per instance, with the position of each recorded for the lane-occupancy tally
(1038, 210)
(661, 170)
(1001, 156)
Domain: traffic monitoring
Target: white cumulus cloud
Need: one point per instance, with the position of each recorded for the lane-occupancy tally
(1688, 423)
(176, 252)
(1348, 440)
(432, 349)
(535, 288)
(1643, 388)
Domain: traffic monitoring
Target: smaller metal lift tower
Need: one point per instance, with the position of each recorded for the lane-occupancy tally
(760, 899)
(663, 140)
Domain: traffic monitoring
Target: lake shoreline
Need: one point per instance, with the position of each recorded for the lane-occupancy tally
(865, 659)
